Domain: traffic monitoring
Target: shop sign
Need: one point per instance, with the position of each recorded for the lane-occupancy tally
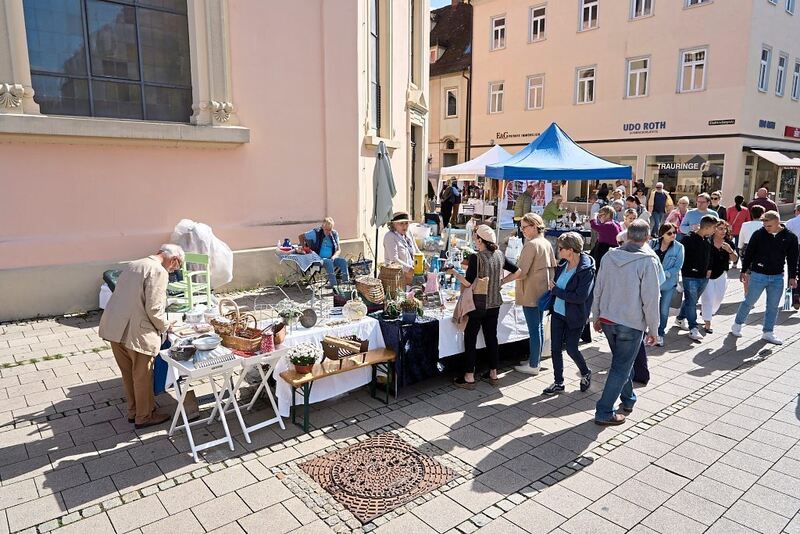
(634, 128)
(510, 135)
(721, 122)
(684, 166)
(762, 123)
(792, 131)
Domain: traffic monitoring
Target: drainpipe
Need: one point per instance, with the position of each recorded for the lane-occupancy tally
(469, 112)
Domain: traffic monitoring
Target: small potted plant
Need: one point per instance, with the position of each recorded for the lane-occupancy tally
(410, 308)
(303, 357)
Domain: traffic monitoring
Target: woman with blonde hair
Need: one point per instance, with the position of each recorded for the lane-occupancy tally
(536, 265)
(723, 253)
(676, 216)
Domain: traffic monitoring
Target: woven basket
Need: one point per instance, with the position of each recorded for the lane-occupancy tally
(236, 334)
(335, 352)
(371, 289)
(391, 277)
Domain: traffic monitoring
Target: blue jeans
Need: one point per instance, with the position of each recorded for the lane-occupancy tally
(773, 283)
(624, 343)
(655, 223)
(663, 308)
(331, 264)
(535, 334)
(692, 289)
(561, 334)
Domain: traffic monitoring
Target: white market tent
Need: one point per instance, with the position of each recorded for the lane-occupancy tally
(470, 170)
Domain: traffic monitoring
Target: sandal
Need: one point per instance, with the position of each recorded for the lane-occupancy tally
(486, 376)
(461, 383)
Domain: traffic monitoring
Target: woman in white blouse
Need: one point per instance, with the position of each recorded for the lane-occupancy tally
(398, 246)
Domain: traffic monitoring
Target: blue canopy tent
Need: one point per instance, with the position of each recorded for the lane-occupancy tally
(555, 156)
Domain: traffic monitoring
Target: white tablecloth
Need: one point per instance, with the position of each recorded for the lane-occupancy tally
(331, 386)
(511, 326)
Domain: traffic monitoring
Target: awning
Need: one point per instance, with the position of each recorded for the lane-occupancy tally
(781, 159)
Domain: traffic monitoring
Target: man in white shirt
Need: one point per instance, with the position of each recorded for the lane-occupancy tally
(793, 225)
(748, 228)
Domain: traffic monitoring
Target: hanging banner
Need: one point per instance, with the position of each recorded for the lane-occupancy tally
(507, 199)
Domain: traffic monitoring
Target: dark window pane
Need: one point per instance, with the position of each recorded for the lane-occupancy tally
(164, 41)
(61, 96)
(165, 104)
(172, 5)
(112, 40)
(55, 36)
(118, 100)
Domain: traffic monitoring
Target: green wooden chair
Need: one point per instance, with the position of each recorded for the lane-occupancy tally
(195, 288)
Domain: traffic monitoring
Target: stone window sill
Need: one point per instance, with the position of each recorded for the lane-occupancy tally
(116, 131)
(373, 140)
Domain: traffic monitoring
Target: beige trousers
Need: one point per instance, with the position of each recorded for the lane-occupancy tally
(137, 379)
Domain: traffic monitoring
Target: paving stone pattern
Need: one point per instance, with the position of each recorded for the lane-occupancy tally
(712, 446)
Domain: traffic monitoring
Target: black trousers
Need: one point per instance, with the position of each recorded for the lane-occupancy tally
(447, 212)
(486, 319)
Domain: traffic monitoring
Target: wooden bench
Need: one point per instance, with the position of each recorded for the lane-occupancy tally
(378, 359)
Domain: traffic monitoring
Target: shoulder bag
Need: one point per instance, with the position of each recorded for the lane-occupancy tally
(480, 286)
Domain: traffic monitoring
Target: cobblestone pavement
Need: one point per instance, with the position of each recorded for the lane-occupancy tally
(712, 446)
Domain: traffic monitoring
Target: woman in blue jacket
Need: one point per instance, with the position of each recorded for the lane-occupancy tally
(670, 252)
(572, 301)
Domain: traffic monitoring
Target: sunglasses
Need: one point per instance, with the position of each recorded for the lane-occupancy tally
(714, 198)
(669, 233)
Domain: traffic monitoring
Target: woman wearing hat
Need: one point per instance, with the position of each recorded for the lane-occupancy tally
(398, 246)
(489, 262)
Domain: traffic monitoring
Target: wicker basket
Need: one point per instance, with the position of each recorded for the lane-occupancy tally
(391, 277)
(371, 289)
(332, 350)
(236, 334)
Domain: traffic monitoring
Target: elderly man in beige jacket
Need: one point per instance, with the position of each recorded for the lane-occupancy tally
(134, 321)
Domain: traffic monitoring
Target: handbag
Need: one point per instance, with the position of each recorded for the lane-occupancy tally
(677, 297)
(480, 287)
(545, 302)
(360, 266)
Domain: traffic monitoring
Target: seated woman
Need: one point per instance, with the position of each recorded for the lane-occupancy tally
(324, 240)
(399, 247)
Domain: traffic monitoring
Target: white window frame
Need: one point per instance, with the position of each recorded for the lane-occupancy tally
(790, 6)
(636, 16)
(682, 64)
(780, 77)
(773, 2)
(533, 20)
(591, 5)
(796, 80)
(579, 91)
(638, 72)
(688, 4)
(763, 69)
(496, 96)
(494, 33)
(529, 86)
(447, 92)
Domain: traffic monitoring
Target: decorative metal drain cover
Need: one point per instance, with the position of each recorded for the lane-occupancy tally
(377, 475)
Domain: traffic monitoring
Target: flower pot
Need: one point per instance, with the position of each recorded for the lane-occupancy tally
(303, 369)
(409, 317)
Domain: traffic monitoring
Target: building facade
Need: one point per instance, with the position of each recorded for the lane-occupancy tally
(450, 88)
(699, 94)
(119, 118)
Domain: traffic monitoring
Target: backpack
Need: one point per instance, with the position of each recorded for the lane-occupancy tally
(447, 194)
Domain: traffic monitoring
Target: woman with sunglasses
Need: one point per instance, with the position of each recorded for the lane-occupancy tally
(572, 294)
(721, 210)
(723, 253)
(670, 252)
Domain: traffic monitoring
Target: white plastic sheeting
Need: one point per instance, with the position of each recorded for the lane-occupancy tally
(198, 238)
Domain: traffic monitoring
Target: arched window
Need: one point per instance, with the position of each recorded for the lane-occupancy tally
(450, 144)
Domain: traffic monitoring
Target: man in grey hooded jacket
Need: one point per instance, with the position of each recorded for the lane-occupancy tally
(625, 306)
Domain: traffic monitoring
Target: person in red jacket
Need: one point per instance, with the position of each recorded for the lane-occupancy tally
(737, 215)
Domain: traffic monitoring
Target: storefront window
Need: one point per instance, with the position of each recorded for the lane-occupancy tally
(786, 194)
(766, 176)
(687, 174)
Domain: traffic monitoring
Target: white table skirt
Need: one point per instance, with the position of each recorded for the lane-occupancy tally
(331, 386)
(511, 326)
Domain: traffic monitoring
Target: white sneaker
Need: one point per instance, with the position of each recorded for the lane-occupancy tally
(696, 335)
(736, 330)
(682, 324)
(527, 369)
(769, 337)
(659, 341)
(523, 362)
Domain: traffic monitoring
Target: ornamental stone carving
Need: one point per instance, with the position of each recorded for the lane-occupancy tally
(221, 110)
(11, 95)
